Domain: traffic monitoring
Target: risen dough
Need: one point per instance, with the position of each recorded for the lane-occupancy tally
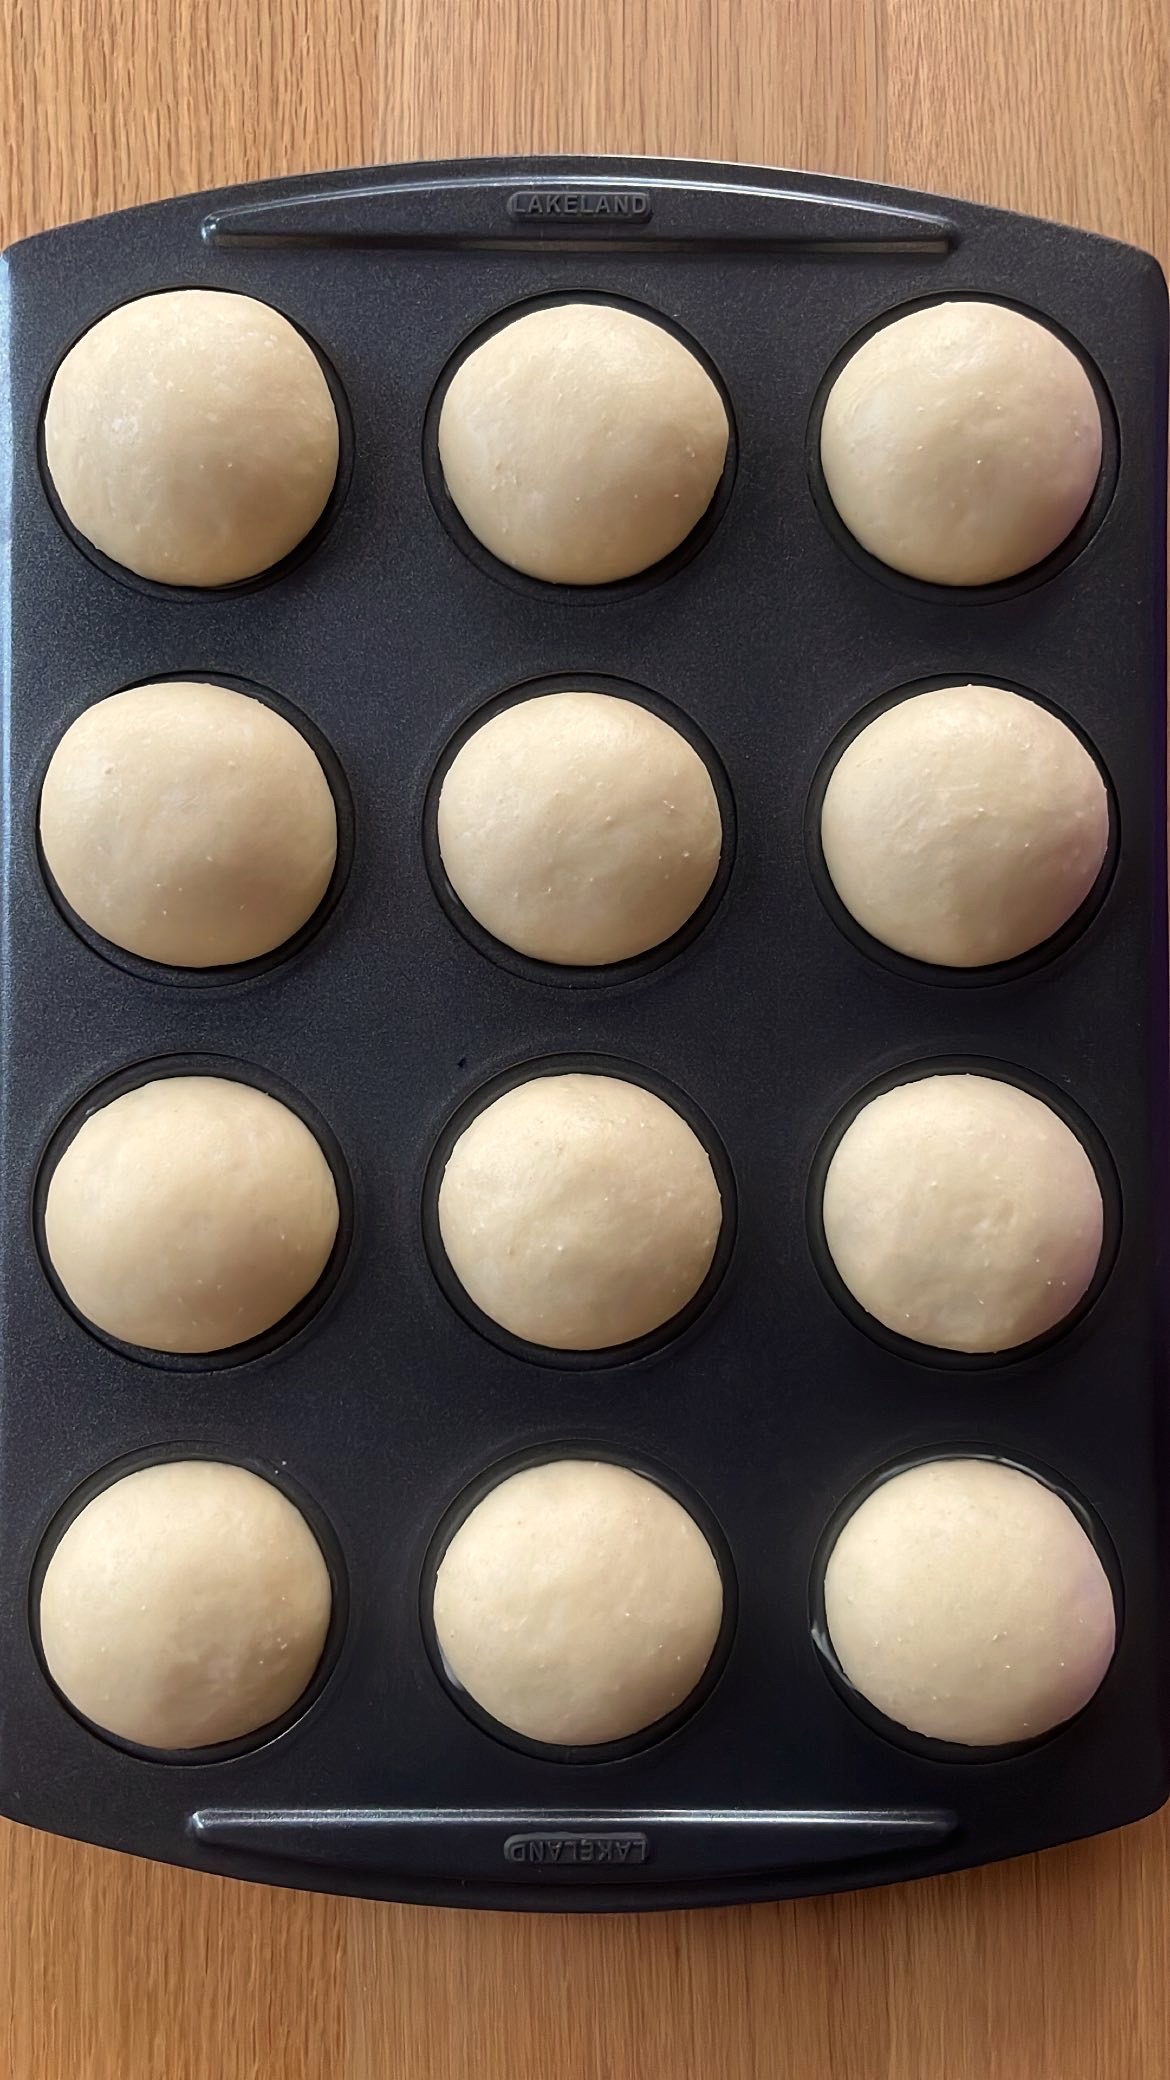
(578, 1603)
(579, 828)
(191, 436)
(961, 443)
(582, 443)
(961, 1212)
(579, 1211)
(964, 1600)
(187, 1603)
(964, 825)
(188, 824)
(190, 1214)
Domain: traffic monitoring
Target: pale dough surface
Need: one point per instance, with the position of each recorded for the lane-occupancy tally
(190, 1214)
(961, 443)
(579, 828)
(187, 1603)
(191, 436)
(577, 1603)
(579, 1211)
(962, 1212)
(188, 823)
(582, 443)
(964, 825)
(964, 1600)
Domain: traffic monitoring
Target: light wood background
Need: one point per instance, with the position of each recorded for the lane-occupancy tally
(1055, 1968)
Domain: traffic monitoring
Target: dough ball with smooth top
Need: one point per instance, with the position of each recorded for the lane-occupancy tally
(188, 823)
(964, 825)
(578, 1603)
(962, 1212)
(190, 1214)
(579, 1211)
(581, 443)
(191, 436)
(579, 828)
(186, 1604)
(961, 443)
(964, 1600)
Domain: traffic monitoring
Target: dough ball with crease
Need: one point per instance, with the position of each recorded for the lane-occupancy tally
(579, 828)
(578, 1603)
(962, 1212)
(961, 443)
(188, 823)
(581, 443)
(965, 1601)
(186, 1604)
(190, 1214)
(191, 436)
(964, 825)
(579, 1211)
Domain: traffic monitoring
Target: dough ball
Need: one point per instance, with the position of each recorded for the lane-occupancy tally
(579, 828)
(191, 437)
(190, 1214)
(578, 1603)
(187, 1603)
(964, 826)
(964, 1600)
(579, 1211)
(961, 443)
(962, 1212)
(581, 443)
(188, 823)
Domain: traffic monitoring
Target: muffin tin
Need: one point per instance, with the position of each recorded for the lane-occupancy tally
(771, 1404)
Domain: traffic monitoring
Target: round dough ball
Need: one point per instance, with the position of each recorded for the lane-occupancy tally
(188, 823)
(190, 1214)
(963, 1213)
(578, 1603)
(579, 1211)
(964, 825)
(579, 828)
(961, 443)
(191, 436)
(188, 1603)
(581, 443)
(964, 1601)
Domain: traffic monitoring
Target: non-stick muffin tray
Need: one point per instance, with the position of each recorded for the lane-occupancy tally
(774, 1402)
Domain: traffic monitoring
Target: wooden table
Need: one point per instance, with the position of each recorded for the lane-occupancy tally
(1053, 1968)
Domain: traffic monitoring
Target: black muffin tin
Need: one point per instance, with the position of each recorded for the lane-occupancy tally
(773, 1405)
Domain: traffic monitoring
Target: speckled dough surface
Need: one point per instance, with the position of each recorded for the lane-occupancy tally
(190, 1214)
(964, 825)
(188, 823)
(579, 1211)
(961, 443)
(962, 1212)
(578, 1603)
(582, 443)
(579, 828)
(964, 1600)
(187, 1603)
(191, 436)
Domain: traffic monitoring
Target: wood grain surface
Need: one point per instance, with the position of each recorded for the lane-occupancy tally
(1053, 1968)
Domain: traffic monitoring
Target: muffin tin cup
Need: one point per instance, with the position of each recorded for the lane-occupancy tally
(647, 1736)
(926, 1745)
(335, 1637)
(289, 949)
(935, 972)
(571, 975)
(299, 1318)
(769, 1407)
(307, 546)
(613, 589)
